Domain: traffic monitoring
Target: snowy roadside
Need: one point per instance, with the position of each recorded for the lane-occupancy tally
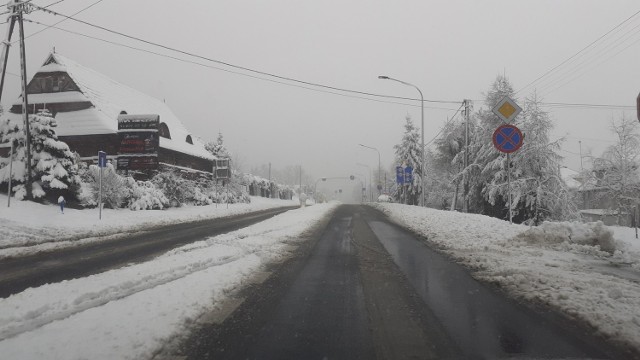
(129, 313)
(29, 227)
(573, 276)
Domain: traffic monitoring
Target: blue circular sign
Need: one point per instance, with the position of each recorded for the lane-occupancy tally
(507, 138)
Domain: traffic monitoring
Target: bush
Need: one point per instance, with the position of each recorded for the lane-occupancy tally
(143, 195)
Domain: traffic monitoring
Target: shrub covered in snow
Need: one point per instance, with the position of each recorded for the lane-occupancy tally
(591, 234)
(175, 188)
(114, 190)
(143, 195)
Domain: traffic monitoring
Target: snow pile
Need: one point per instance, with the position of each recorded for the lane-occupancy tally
(591, 234)
(129, 313)
(581, 270)
(28, 227)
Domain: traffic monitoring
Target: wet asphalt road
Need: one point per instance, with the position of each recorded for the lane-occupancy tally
(364, 288)
(18, 274)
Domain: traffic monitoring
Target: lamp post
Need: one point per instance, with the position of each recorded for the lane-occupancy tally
(370, 190)
(422, 126)
(379, 183)
(363, 190)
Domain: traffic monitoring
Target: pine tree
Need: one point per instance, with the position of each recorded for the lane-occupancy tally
(217, 148)
(53, 165)
(409, 153)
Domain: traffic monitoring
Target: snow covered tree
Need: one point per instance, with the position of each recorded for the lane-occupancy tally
(484, 160)
(537, 189)
(445, 166)
(53, 166)
(409, 153)
(217, 148)
(617, 173)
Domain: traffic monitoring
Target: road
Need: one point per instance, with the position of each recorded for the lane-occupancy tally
(364, 288)
(18, 274)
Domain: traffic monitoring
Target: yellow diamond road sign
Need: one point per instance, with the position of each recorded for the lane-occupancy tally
(507, 109)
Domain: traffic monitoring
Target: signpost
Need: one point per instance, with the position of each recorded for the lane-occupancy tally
(10, 174)
(399, 175)
(507, 138)
(102, 163)
(139, 141)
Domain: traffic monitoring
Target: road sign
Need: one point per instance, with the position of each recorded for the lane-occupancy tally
(507, 109)
(102, 159)
(507, 138)
(399, 175)
(408, 175)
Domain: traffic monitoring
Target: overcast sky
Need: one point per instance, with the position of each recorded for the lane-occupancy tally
(450, 49)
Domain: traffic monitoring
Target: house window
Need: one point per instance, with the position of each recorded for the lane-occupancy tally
(163, 129)
(189, 139)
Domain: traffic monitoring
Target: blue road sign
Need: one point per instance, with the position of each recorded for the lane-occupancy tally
(408, 175)
(507, 138)
(102, 159)
(399, 175)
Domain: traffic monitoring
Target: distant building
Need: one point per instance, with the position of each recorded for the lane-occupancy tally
(86, 105)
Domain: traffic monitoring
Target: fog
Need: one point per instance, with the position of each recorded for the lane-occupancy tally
(452, 50)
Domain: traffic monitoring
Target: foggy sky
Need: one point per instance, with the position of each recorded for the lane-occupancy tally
(450, 49)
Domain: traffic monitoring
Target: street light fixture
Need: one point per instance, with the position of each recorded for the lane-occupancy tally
(422, 166)
(379, 183)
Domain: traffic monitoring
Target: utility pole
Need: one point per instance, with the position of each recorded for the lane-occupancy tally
(16, 14)
(25, 103)
(467, 110)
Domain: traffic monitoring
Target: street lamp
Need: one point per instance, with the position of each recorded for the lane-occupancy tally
(370, 190)
(422, 175)
(379, 183)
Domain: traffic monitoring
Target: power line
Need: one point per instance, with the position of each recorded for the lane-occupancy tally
(227, 70)
(579, 52)
(242, 67)
(45, 9)
(604, 54)
(580, 105)
(444, 126)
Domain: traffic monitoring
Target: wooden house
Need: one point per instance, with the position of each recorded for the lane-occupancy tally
(86, 105)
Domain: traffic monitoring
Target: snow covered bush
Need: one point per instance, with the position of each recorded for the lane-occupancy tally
(591, 234)
(114, 189)
(143, 195)
(175, 188)
(53, 166)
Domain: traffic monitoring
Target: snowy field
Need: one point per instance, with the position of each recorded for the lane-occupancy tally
(129, 313)
(562, 265)
(28, 227)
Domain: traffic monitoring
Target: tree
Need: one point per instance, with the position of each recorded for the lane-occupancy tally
(445, 166)
(484, 160)
(537, 189)
(217, 148)
(53, 165)
(617, 172)
(409, 153)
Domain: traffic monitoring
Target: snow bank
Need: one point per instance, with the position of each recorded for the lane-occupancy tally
(591, 234)
(28, 227)
(588, 272)
(129, 313)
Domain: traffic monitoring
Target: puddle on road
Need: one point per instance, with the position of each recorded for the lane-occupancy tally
(480, 321)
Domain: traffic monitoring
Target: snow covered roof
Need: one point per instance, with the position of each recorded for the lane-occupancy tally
(109, 99)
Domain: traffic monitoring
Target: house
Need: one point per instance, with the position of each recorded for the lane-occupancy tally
(86, 105)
